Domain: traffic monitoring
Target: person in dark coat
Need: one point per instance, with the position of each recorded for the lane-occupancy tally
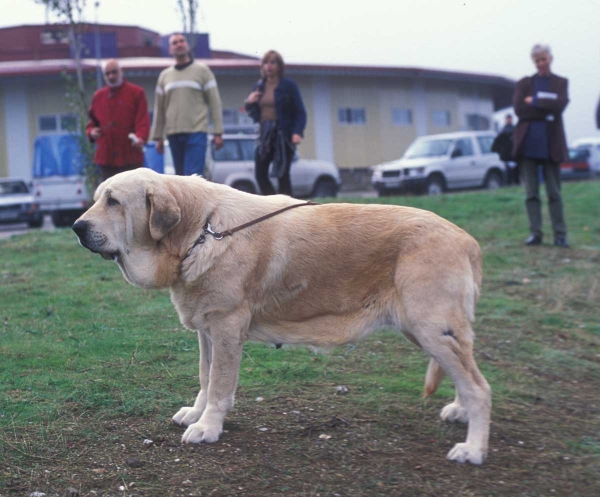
(539, 140)
(503, 145)
(119, 123)
(276, 104)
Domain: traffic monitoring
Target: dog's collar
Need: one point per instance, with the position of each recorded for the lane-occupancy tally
(219, 235)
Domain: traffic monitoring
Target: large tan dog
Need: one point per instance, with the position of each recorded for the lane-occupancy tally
(322, 275)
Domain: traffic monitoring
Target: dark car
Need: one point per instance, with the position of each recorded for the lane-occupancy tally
(578, 165)
(17, 205)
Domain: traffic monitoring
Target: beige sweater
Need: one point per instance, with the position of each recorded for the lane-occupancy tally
(183, 99)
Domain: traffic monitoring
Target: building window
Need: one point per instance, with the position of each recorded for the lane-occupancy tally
(59, 123)
(477, 122)
(352, 116)
(440, 118)
(402, 117)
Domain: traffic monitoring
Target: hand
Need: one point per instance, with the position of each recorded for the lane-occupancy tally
(139, 145)
(160, 147)
(218, 141)
(96, 133)
(296, 139)
(529, 100)
(253, 97)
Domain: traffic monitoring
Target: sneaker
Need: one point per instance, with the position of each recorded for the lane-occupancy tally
(561, 241)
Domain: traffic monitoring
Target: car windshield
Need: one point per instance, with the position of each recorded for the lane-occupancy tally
(228, 153)
(428, 148)
(13, 187)
(580, 154)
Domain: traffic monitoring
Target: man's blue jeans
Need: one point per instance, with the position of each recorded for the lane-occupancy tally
(189, 152)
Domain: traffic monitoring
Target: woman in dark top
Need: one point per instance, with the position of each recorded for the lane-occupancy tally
(276, 104)
(539, 140)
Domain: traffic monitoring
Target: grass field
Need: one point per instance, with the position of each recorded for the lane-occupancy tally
(91, 367)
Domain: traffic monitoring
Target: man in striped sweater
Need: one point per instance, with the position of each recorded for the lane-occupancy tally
(185, 93)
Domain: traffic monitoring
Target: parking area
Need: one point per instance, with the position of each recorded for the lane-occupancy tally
(7, 230)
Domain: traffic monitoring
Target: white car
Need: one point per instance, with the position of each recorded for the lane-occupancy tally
(17, 204)
(592, 147)
(233, 165)
(436, 163)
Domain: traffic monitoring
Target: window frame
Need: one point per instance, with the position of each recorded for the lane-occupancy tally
(409, 112)
(435, 121)
(351, 116)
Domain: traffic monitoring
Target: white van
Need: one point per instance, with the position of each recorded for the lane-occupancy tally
(592, 147)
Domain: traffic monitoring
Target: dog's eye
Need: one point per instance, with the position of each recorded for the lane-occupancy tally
(112, 201)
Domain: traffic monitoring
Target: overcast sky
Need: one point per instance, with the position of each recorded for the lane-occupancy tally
(485, 36)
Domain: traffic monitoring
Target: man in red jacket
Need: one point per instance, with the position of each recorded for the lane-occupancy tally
(119, 123)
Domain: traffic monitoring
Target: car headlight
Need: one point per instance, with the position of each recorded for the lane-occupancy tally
(415, 171)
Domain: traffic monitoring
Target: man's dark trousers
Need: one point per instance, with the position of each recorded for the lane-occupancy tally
(531, 178)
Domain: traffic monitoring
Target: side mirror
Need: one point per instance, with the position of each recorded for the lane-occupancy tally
(457, 152)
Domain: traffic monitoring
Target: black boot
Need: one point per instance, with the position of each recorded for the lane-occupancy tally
(533, 239)
(561, 241)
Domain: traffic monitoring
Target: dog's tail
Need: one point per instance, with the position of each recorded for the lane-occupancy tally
(433, 378)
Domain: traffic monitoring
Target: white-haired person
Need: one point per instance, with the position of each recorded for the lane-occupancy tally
(539, 140)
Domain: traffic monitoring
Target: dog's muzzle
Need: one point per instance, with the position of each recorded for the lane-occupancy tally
(93, 240)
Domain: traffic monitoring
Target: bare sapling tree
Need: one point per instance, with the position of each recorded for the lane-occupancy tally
(188, 9)
(71, 14)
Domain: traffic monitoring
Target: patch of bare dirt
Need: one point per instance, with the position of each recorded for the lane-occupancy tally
(315, 445)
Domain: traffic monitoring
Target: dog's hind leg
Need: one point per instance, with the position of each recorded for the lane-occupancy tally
(452, 348)
(189, 415)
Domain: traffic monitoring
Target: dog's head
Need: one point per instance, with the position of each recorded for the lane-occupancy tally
(132, 213)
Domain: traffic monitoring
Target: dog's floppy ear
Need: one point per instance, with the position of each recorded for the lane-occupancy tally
(164, 211)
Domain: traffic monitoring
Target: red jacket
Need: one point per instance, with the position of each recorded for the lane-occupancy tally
(118, 112)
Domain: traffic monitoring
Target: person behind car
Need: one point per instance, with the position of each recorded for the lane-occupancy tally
(185, 93)
(503, 144)
(539, 139)
(118, 123)
(275, 102)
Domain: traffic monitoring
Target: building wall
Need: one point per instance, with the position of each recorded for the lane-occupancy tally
(3, 151)
(351, 146)
(356, 145)
(395, 138)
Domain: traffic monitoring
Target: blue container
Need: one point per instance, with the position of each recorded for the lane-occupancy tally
(152, 159)
(57, 155)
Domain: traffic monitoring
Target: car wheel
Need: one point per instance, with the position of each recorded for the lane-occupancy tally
(64, 219)
(36, 222)
(493, 181)
(244, 186)
(435, 185)
(324, 187)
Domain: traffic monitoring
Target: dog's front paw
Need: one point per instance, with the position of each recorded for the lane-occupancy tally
(202, 433)
(187, 416)
(454, 412)
(464, 453)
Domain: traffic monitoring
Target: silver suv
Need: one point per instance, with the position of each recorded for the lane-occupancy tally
(233, 165)
(436, 163)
